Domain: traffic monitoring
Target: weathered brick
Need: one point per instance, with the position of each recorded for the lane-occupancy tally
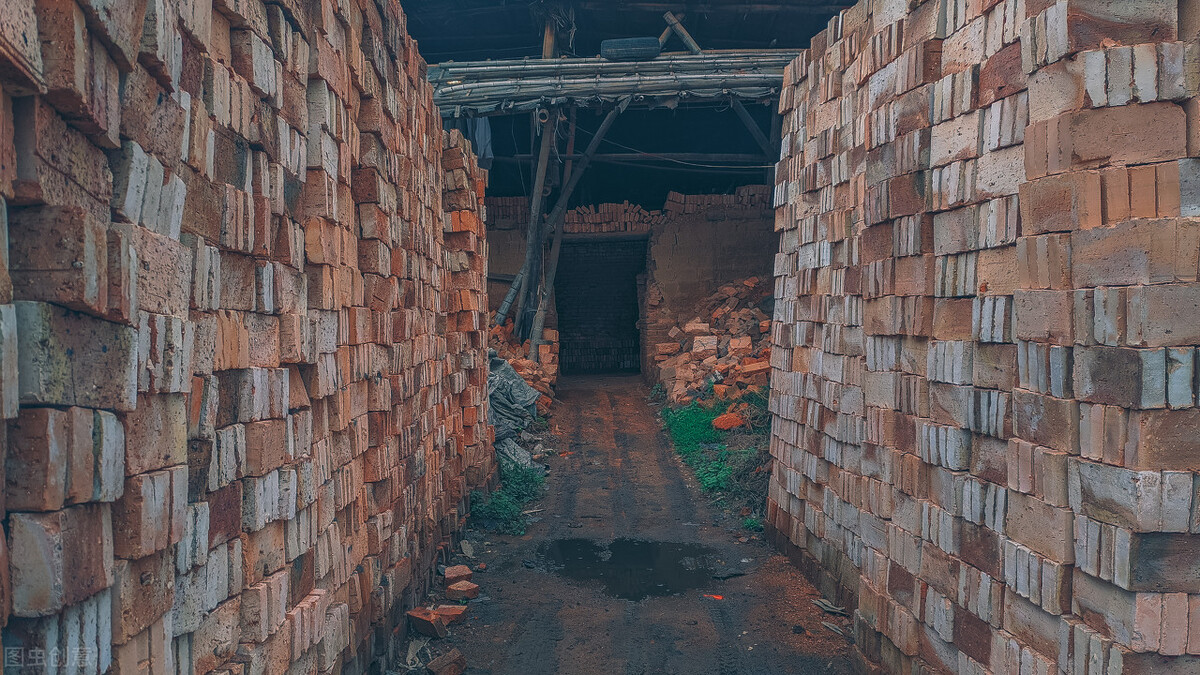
(59, 558)
(52, 339)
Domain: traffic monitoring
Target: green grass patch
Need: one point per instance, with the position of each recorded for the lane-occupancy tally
(728, 464)
(691, 427)
(501, 511)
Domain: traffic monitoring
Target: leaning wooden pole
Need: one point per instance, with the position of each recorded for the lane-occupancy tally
(556, 221)
(521, 282)
(534, 231)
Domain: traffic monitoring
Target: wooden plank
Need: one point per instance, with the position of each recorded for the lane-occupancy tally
(752, 126)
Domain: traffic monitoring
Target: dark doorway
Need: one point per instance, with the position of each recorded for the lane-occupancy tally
(597, 302)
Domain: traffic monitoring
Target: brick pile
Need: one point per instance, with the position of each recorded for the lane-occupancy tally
(540, 373)
(507, 213)
(604, 218)
(725, 345)
(983, 385)
(240, 338)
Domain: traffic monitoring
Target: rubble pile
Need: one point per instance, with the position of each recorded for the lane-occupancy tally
(541, 374)
(726, 345)
(434, 619)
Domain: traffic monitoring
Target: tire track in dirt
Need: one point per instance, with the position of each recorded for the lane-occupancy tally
(622, 479)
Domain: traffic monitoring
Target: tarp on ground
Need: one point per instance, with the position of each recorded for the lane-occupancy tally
(512, 403)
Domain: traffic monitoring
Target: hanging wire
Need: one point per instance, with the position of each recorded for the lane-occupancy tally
(680, 161)
(512, 127)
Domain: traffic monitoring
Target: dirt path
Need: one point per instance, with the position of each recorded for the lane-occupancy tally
(623, 481)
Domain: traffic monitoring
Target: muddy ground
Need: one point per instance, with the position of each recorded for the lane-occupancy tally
(619, 480)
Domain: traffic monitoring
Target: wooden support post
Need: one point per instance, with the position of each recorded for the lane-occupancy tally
(533, 232)
(556, 221)
(752, 127)
(682, 32)
(666, 34)
(519, 289)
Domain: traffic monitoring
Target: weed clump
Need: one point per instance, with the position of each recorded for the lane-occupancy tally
(502, 511)
(731, 464)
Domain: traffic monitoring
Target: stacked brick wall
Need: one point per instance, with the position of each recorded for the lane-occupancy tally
(506, 213)
(984, 386)
(467, 313)
(240, 337)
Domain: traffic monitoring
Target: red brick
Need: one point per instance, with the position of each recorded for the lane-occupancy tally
(462, 590)
(427, 622)
(59, 558)
(1061, 203)
(36, 463)
(457, 573)
(1131, 134)
(156, 433)
(59, 255)
(142, 517)
(450, 663)
(143, 591)
(268, 446)
(1100, 23)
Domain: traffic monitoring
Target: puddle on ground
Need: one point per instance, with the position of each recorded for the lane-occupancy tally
(632, 569)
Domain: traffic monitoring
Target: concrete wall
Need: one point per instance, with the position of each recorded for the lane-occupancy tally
(983, 386)
(241, 362)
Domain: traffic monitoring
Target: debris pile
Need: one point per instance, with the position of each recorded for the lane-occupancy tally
(433, 620)
(725, 345)
(541, 374)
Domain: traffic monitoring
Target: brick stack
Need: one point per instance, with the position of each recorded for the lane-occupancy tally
(237, 422)
(467, 320)
(507, 213)
(725, 345)
(608, 218)
(984, 388)
(744, 200)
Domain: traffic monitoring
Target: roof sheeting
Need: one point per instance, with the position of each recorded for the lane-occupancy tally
(500, 87)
